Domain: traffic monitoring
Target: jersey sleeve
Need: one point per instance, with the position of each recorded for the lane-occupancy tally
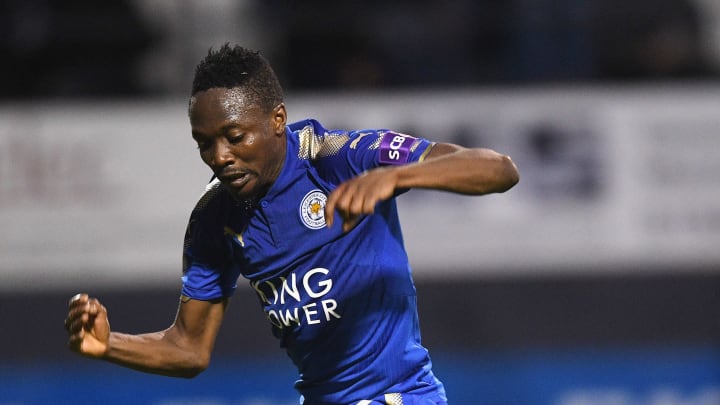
(367, 149)
(373, 148)
(207, 271)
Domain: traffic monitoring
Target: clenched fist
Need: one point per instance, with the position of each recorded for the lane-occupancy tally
(88, 326)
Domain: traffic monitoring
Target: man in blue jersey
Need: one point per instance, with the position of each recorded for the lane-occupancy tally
(308, 216)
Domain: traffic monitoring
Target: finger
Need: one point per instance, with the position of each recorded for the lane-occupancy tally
(369, 204)
(94, 306)
(70, 322)
(338, 201)
(78, 335)
(77, 312)
(75, 326)
(350, 223)
(355, 206)
(345, 202)
(75, 340)
(330, 205)
(97, 311)
(78, 299)
(83, 321)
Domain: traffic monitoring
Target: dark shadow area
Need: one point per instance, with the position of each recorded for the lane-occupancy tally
(508, 314)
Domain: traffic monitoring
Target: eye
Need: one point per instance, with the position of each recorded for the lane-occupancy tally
(235, 138)
(202, 145)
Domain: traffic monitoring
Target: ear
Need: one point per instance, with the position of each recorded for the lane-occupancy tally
(279, 117)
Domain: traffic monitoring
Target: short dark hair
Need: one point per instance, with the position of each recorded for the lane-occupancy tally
(234, 66)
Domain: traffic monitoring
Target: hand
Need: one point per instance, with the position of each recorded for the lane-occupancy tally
(88, 326)
(359, 196)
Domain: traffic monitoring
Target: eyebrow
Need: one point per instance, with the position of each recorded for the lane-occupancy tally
(223, 129)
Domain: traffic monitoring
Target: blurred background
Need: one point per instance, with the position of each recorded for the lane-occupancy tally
(595, 281)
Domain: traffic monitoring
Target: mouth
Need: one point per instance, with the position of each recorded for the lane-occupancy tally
(234, 180)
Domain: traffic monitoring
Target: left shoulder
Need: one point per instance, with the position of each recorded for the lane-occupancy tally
(315, 141)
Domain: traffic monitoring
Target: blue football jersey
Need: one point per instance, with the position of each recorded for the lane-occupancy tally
(343, 305)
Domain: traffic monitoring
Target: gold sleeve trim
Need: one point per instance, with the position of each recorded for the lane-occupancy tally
(314, 146)
(426, 152)
(393, 399)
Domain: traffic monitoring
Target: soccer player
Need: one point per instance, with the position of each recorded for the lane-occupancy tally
(308, 216)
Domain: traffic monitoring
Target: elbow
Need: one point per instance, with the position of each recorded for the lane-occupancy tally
(191, 372)
(195, 367)
(508, 174)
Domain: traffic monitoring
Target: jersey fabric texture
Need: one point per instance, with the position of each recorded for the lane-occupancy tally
(343, 305)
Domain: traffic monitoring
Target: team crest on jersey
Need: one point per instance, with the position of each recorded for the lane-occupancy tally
(312, 209)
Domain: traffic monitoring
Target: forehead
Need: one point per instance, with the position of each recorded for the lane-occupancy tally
(221, 104)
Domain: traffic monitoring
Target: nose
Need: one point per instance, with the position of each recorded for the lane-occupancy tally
(221, 155)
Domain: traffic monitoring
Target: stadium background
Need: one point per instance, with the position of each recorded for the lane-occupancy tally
(596, 281)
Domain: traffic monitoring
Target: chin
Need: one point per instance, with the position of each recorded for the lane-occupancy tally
(242, 195)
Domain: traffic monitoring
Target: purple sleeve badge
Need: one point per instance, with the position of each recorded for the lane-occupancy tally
(395, 148)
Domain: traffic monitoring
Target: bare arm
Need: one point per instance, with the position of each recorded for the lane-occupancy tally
(447, 167)
(461, 170)
(182, 350)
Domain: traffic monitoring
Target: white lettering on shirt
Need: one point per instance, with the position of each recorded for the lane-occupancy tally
(314, 284)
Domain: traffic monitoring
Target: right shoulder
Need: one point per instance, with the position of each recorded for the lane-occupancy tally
(205, 228)
(212, 196)
(213, 206)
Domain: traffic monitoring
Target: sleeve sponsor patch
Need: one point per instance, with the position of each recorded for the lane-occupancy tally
(395, 148)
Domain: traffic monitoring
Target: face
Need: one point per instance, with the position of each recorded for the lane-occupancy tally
(242, 144)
